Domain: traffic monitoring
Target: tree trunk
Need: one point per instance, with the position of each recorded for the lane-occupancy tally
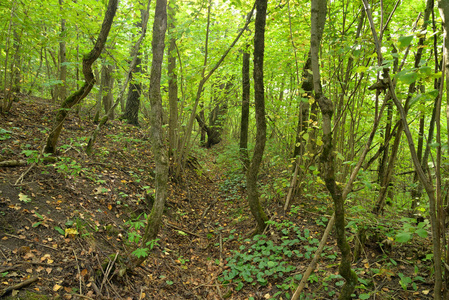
(135, 88)
(185, 142)
(156, 131)
(319, 8)
(244, 122)
(108, 85)
(426, 182)
(61, 89)
(89, 79)
(133, 100)
(172, 82)
(261, 132)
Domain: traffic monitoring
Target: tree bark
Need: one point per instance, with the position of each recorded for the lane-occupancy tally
(61, 89)
(156, 131)
(261, 131)
(108, 85)
(89, 79)
(172, 82)
(319, 8)
(135, 88)
(244, 122)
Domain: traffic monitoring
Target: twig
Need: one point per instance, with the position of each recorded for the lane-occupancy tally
(20, 179)
(312, 265)
(19, 285)
(79, 272)
(181, 229)
(10, 268)
(108, 270)
(221, 248)
(218, 290)
(82, 296)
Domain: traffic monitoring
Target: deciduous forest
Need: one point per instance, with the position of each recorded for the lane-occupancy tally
(212, 149)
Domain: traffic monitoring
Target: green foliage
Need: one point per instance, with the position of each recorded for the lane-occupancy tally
(409, 229)
(405, 281)
(5, 134)
(135, 237)
(69, 167)
(259, 260)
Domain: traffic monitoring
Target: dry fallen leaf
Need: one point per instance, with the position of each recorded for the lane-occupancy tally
(56, 287)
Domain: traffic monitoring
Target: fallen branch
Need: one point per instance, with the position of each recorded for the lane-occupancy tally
(19, 286)
(13, 163)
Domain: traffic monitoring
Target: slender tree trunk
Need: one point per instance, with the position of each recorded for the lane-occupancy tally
(244, 122)
(427, 183)
(261, 132)
(135, 88)
(185, 142)
(61, 89)
(443, 7)
(172, 82)
(108, 85)
(156, 131)
(319, 8)
(89, 79)
(119, 100)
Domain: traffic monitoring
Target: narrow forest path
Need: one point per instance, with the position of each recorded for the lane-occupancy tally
(65, 224)
(65, 219)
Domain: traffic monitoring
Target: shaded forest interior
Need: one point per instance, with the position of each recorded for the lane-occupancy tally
(224, 150)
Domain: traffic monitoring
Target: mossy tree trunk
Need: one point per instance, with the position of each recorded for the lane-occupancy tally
(172, 81)
(319, 8)
(89, 79)
(261, 125)
(156, 131)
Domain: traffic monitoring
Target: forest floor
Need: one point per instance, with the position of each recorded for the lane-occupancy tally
(63, 226)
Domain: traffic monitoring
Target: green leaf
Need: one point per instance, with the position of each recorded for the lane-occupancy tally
(36, 224)
(407, 78)
(141, 252)
(239, 286)
(421, 232)
(60, 230)
(364, 296)
(403, 237)
(305, 136)
(404, 41)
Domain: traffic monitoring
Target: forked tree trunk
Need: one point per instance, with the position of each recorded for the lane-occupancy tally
(89, 79)
(261, 125)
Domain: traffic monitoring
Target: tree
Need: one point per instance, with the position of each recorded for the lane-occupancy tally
(156, 131)
(172, 81)
(319, 9)
(261, 134)
(135, 88)
(245, 109)
(89, 79)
